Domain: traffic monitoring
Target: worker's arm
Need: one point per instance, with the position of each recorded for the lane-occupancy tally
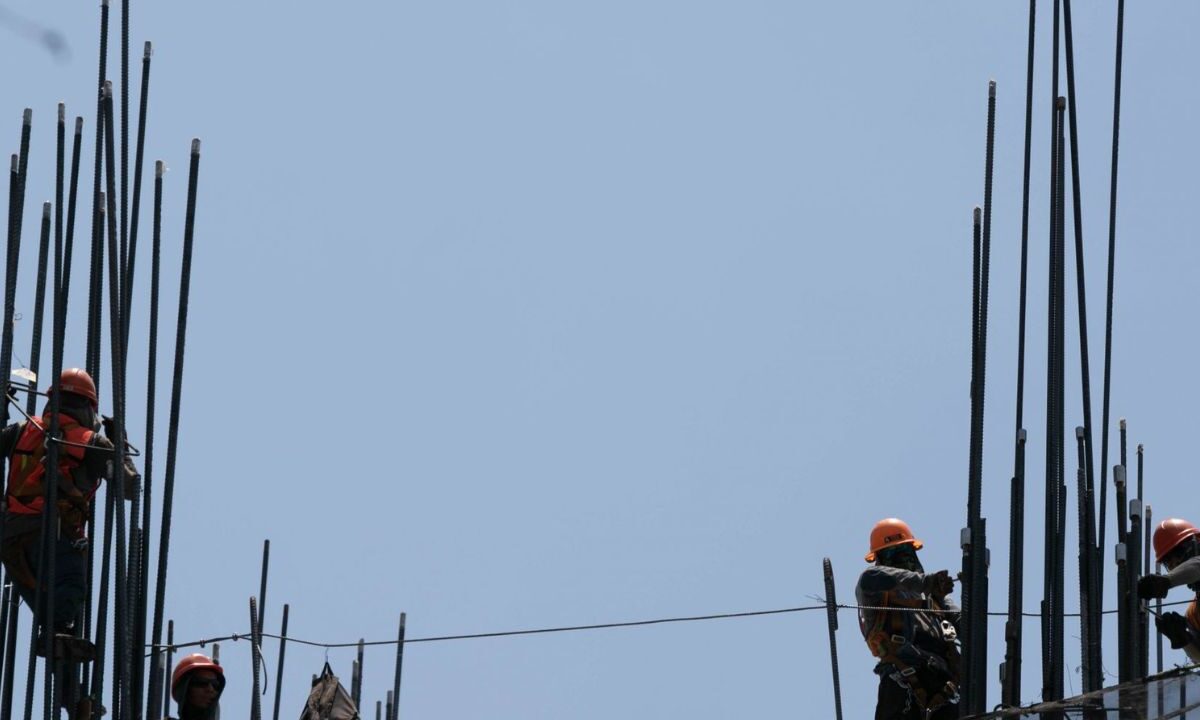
(100, 459)
(1186, 573)
(879, 579)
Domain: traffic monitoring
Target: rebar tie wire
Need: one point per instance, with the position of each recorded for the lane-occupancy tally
(575, 628)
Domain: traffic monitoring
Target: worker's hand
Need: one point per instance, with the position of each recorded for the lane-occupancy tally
(1174, 627)
(102, 442)
(107, 423)
(133, 480)
(1153, 586)
(938, 584)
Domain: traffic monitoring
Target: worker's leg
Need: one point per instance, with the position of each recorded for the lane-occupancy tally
(69, 581)
(894, 702)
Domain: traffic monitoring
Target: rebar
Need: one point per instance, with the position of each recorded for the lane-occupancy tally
(176, 390)
(1112, 248)
(151, 394)
(394, 694)
(279, 665)
(255, 639)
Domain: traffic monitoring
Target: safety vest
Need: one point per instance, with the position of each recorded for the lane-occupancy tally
(1193, 614)
(27, 475)
(930, 674)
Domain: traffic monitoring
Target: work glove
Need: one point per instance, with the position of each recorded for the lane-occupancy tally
(938, 584)
(1175, 628)
(1153, 586)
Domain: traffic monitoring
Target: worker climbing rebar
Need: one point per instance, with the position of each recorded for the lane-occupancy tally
(85, 458)
(917, 641)
(1177, 547)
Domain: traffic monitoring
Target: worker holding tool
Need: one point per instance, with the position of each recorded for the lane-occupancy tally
(910, 624)
(1177, 547)
(85, 457)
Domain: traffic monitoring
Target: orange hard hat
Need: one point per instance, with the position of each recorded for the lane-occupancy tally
(1169, 534)
(78, 382)
(891, 532)
(195, 661)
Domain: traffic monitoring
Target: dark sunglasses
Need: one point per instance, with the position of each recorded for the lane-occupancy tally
(214, 683)
(896, 551)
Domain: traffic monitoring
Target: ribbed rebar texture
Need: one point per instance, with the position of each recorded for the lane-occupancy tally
(164, 544)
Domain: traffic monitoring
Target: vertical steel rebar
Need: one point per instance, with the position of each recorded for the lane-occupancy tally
(1011, 673)
(262, 586)
(1112, 248)
(121, 630)
(255, 657)
(279, 666)
(153, 691)
(1143, 615)
(831, 614)
(138, 159)
(394, 695)
(164, 544)
(72, 198)
(92, 352)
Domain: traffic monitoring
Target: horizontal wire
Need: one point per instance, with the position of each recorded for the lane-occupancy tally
(597, 626)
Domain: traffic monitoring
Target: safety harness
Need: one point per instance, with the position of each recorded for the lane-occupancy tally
(915, 649)
(27, 476)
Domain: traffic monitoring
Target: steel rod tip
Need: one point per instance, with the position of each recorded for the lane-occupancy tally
(62, 112)
(103, 3)
(78, 124)
(148, 51)
(991, 88)
(46, 210)
(978, 213)
(106, 91)
(1060, 103)
(159, 168)
(1078, 432)
(27, 116)
(16, 164)
(1141, 447)
(1122, 423)
(195, 146)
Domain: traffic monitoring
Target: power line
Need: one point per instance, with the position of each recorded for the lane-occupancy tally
(595, 626)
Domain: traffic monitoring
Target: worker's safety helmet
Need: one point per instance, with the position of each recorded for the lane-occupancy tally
(189, 664)
(77, 382)
(1169, 534)
(891, 532)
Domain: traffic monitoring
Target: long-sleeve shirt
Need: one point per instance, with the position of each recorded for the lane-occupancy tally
(881, 586)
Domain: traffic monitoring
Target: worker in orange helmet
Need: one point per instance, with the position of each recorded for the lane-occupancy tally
(1177, 547)
(911, 626)
(85, 457)
(196, 685)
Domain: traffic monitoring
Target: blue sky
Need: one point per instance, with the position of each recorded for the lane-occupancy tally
(519, 314)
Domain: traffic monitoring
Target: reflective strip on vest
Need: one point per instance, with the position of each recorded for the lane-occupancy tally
(26, 477)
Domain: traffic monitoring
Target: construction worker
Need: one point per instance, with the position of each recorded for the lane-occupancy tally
(1177, 547)
(911, 626)
(84, 459)
(196, 685)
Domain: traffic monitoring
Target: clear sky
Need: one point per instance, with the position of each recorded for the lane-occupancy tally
(520, 314)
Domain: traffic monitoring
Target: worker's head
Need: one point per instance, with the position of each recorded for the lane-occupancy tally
(893, 544)
(76, 384)
(1175, 540)
(196, 685)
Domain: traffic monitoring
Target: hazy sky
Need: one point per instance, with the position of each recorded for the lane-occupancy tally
(520, 314)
